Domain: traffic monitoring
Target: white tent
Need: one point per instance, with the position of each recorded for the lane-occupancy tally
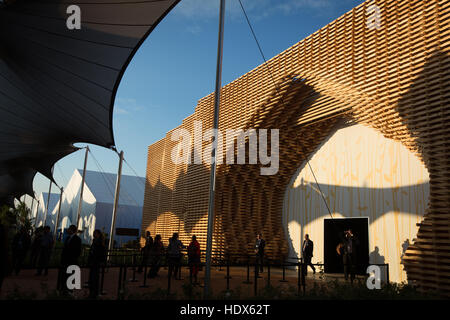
(97, 204)
(39, 211)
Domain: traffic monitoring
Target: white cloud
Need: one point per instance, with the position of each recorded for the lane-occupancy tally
(257, 9)
(124, 106)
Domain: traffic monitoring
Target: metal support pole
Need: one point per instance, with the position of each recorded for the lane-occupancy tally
(80, 201)
(212, 182)
(58, 215)
(48, 202)
(32, 207)
(116, 202)
(37, 213)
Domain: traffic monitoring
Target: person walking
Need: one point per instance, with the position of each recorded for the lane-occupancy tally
(20, 245)
(156, 254)
(307, 253)
(174, 255)
(146, 250)
(69, 256)
(96, 259)
(259, 250)
(45, 249)
(193, 259)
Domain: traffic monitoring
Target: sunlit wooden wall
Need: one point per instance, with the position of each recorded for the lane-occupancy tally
(393, 79)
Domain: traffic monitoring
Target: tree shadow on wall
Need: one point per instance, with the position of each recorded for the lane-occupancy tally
(424, 110)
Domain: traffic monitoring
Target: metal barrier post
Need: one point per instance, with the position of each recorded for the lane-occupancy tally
(248, 273)
(119, 286)
(387, 273)
(134, 268)
(284, 273)
(256, 279)
(169, 276)
(102, 281)
(144, 285)
(124, 280)
(228, 269)
(303, 276)
(228, 276)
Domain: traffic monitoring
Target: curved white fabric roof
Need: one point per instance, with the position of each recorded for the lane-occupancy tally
(58, 86)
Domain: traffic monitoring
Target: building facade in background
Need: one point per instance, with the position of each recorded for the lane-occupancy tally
(367, 102)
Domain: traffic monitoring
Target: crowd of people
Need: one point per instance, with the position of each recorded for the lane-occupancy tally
(153, 252)
(40, 248)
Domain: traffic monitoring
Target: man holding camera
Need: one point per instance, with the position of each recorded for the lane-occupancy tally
(349, 250)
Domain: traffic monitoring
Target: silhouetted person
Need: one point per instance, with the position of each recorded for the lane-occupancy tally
(307, 253)
(3, 254)
(45, 249)
(156, 254)
(35, 246)
(349, 252)
(174, 255)
(146, 250)
(96, 259)
(260, 244)
(375, 256)
(193, 259)
(69, 256)
(21, 244)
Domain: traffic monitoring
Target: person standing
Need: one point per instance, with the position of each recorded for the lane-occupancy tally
(146, 251)
(21, 244)
(307, 253)
(69, 256)
(193, 259)
(349, 250)
(259, 250)
(35, 246)
(96, 259)
(156, 254)
(174, 255)
(3, 254)
(45, 249)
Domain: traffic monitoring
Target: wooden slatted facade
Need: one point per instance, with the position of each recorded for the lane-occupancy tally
(394, 78)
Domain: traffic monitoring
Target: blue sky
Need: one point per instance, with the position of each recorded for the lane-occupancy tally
(175, 67)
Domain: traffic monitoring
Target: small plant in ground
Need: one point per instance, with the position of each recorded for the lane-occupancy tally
(190, 292)
(157, 294)
(233, 294)
(16, 294)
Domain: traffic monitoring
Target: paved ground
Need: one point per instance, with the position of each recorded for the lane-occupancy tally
(27, 283)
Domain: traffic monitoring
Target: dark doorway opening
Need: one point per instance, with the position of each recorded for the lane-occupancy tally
(333, 235)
